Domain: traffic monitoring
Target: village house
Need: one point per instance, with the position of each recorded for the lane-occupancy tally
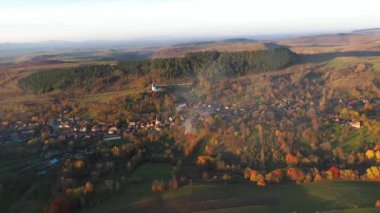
(111, 137)
(53, 162)
(5, 123)
(355, 123)
(113, 130)
(132, 125)
(28, 134)
(95, 128)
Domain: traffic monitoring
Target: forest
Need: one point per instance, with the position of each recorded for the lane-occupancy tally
(82, 76)
(211, 65)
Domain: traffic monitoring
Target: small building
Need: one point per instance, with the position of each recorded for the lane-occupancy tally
(113, 130)
(132, 125)
(155, 88)
(53, 162)
(157, 122)
(83, 129)
(356, 124)
(95, 128)
(111, 137)
(28, 133)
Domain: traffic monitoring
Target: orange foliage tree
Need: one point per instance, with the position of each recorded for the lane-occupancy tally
(79, 164)
(173, 184)
(377, 204)
(191, 142)
(274, 176)
(205, 161)
(295, 175)
(292, 160)
(333, 173)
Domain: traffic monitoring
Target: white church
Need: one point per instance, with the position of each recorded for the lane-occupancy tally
(156, 88)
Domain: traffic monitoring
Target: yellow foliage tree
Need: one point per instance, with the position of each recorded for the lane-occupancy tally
(32, 142)
(226, 178)
(370, 154)
(377, 155)
(253, 176)
(344, 113)
(88, 187)
(373, 173)
(318, 178)
(349, 174)
(79, 164)
(368, 106)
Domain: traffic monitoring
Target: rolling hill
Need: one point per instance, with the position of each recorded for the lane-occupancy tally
(333, 43)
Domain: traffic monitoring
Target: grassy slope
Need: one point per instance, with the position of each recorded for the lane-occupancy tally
(243, 197)
(137, 193)
(287, 198)
(22, 192)
(341, 63)
(291, 197)
(352, 140)
(105, 96)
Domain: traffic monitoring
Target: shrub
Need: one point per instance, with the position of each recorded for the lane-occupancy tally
(173, 184)
(158, 186)
(377, 204)
(88, 187)
(205, 176)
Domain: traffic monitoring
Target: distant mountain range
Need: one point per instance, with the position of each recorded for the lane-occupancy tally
(172, 47)
(371, 31)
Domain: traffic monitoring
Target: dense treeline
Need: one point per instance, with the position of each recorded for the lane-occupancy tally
(213, 63)
(43, 82)
(206, 64)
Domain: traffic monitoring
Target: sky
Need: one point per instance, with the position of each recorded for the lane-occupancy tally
(78, 20)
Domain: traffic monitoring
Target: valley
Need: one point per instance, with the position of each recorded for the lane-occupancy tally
(235, 125)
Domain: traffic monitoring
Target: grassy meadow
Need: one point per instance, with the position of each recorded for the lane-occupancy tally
(240, 197)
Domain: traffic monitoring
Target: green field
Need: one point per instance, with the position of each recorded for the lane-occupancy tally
(242, 197)
(350, 139)
(342, 63)
(21, 190)
(138, 192)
